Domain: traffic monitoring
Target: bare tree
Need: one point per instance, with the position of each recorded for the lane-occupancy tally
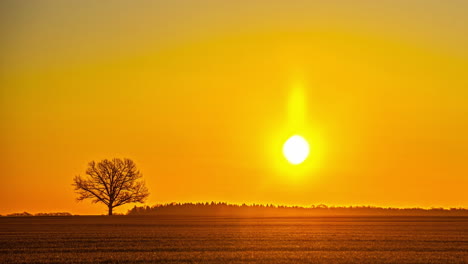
(111, 182)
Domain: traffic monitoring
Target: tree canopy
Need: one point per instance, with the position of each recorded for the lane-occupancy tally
(111, 182)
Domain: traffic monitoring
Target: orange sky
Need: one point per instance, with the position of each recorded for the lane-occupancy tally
(202, 95)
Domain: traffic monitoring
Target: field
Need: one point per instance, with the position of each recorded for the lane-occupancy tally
(139, 239)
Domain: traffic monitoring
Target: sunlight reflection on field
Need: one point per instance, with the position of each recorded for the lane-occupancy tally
(234, 240)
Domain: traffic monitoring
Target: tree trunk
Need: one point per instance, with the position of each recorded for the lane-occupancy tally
(110, 210)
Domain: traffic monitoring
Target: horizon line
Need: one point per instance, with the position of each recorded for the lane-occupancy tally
(304, 206)
(312, 206)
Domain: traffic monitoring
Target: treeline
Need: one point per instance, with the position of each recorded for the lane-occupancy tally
(40, 214)
(225, 209)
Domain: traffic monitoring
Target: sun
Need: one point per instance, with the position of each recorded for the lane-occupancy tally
(296, 149)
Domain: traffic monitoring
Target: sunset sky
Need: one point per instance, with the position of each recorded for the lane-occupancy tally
(203, 94)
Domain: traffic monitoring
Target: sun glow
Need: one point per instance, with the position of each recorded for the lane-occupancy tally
(296, 149)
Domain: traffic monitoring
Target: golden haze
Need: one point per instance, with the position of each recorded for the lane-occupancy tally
(202, 96)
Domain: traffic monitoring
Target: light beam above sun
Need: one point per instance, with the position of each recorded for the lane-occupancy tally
(296, 148)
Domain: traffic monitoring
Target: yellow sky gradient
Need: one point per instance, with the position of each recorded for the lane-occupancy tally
(202, 95)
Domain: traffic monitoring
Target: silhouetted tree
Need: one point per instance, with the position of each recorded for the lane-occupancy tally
(112, 182)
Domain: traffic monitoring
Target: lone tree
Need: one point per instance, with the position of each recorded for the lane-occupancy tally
(112, 182)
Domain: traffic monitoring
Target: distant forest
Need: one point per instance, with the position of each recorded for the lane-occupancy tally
(224, 209)
(41, 214)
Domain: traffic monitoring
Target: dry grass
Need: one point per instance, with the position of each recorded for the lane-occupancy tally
(125, 239)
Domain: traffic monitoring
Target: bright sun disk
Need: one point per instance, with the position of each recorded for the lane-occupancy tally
(296, 149)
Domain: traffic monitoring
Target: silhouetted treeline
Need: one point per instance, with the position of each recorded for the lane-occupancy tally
(224, 209)
(41, 214)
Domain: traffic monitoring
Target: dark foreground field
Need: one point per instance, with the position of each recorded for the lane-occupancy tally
(126, 239)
